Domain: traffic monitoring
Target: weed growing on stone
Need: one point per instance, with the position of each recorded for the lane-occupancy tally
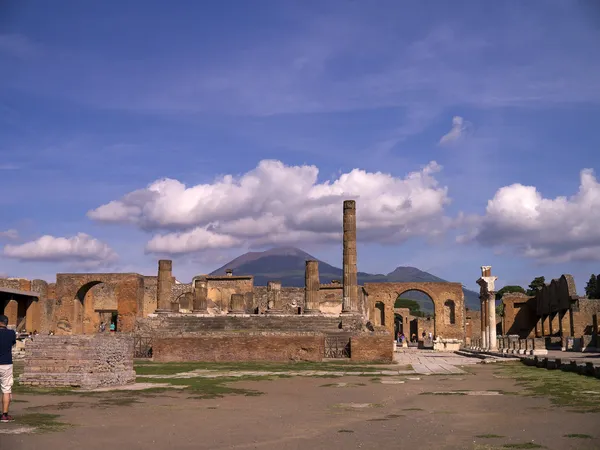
(523, 445)
(345, 431)
(413, 409)
(488, 436)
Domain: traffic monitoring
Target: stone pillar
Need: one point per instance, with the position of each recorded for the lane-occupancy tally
(274, 304)
(486, 325)
(163, 288)
(11, 310)
(350, 299)
(311, 288)
(484, 330)
(492, 344)
(237, 304)
(200, 296)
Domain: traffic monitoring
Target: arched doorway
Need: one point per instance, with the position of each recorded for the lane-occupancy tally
(420, 320)
(95, 304)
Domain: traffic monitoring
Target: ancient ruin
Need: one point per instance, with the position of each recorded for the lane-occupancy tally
(555, 318)
(208, 317)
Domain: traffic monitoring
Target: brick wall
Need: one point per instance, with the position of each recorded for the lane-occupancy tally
(583, 319)
(221, 347)
(291, 299)
(372, 348)
(79, 361)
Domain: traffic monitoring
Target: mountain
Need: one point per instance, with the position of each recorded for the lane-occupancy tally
(287, 264)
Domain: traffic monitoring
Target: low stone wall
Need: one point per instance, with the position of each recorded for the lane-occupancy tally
(85, 361)
(582, 368)
(516, 346)
(372, 348)
(240, 346)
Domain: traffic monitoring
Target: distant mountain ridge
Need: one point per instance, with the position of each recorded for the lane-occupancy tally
(287, 265)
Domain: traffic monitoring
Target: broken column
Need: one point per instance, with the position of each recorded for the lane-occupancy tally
(274, 304)
(237, 304)
(164, 284)
(488, 296)
(311, 287)
(350, 299)
(200, 296)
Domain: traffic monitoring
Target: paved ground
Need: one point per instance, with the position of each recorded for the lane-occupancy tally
(482, 408)
(424, 362)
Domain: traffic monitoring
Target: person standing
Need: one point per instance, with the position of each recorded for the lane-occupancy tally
(8, 339)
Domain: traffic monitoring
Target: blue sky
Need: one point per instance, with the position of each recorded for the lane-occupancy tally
(467, 131)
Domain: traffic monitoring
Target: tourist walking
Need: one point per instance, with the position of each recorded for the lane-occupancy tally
(8, 339)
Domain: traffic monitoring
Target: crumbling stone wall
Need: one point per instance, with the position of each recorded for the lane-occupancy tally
(372, 347)
(81, 361)
(583, 319)
(519, 315)
(220, 289)
(247, 346)
(150, 303)
(73, 312)
(292, 298)
(331, 297)
(438, 292)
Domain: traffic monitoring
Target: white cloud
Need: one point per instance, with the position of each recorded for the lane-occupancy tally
(548, 230)
(459, 129)
(279, 204)
(9, 234)
(81, 248)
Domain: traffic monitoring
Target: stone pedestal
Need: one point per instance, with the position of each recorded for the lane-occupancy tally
(164, 284)
(200, 296)
(237, 304)
(311, 287)
(274, 303)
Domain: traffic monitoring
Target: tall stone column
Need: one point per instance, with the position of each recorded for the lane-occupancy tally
(274, 303)
(484, 330)
(200, 296)
(237, 304)
(350, 299)
(492, 343)
(163, 288)
(311, 287)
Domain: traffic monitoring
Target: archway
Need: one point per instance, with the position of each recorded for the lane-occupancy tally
(420, 318)
(96, 304)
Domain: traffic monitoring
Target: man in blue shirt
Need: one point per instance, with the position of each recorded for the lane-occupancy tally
(8, 338)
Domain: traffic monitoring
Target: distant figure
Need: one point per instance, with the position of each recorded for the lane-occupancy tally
(413, 338)
(430, 336)
(102, 327)
(424, 335)
(112, 327)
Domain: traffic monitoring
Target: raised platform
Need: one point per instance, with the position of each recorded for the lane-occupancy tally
(85, 361)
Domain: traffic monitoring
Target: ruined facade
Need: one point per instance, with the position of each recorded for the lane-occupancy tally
(216, 305)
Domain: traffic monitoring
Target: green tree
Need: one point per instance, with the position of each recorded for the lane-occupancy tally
(500, 308)
(412, 305)
(536, 285)
(507, 289)
(591, 288)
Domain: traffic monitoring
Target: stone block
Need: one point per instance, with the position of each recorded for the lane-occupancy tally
(84, 361)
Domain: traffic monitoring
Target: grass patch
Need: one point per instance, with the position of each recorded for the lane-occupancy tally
(59, 406)
(523, 445)
(578, 436)
(116, 401)
(562, 388)
(394, 416)
(43, 423)
(204, 388)
(152, 368)
(345, 431)
(488, 436)
(413, 409)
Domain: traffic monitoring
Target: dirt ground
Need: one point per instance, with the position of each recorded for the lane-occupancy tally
(484, 409)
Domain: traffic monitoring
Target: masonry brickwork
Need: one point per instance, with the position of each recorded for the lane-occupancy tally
(236, 346)
(81, 361)
(371, 347)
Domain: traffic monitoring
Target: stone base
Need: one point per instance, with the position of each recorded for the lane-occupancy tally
(278, 312)
(447, 345)
(312, 312)
(538, 352)
(163, 311)
(84, 361)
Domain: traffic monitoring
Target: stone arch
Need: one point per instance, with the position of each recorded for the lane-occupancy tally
(72, 306)
(439, 294)
(449, 312)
